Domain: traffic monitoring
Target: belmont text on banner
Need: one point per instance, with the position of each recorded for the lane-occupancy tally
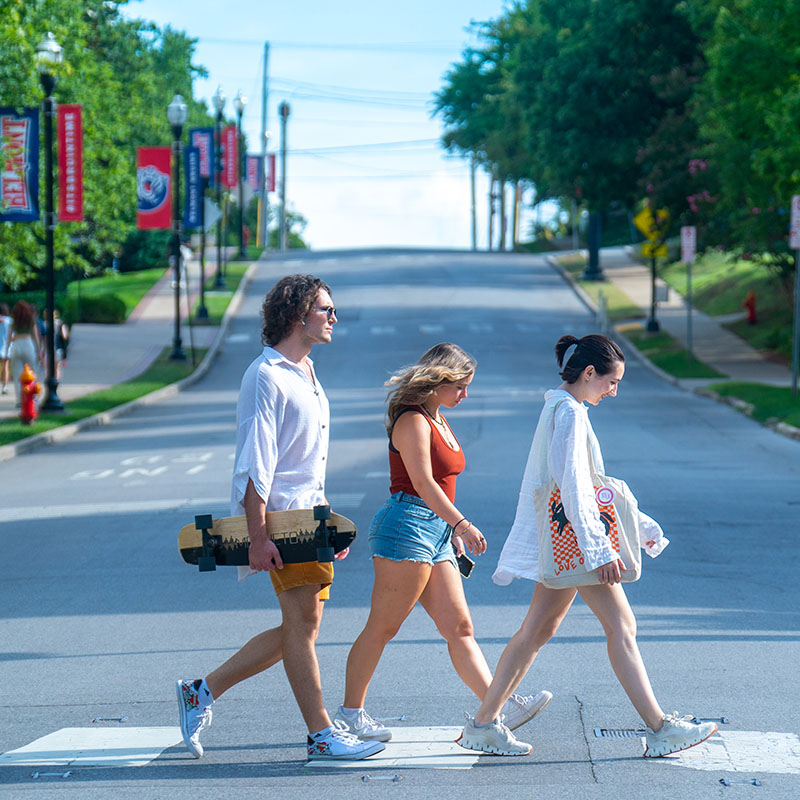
(19, 178)
(153, 182)
(193, 208)
(70, 164)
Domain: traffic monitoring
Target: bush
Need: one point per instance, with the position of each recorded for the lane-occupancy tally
(103, 308)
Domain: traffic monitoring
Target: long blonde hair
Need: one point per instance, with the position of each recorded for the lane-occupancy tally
(412, 386)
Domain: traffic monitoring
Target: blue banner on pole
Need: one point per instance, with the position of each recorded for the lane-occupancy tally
(203, 139)
(193, 211)
(19, 179)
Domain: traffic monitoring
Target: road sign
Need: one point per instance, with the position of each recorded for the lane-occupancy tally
(653, 250)
(212, 214)
(652, 226)
(688, 244)
(794, 231)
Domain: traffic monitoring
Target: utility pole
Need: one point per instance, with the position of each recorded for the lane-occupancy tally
(263, 217)
(491, 209)
(502, 246)
(473, 214)
(284, 110)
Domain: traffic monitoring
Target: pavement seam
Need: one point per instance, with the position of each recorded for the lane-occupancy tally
(586, 739)
(63, 432)
(782, 428)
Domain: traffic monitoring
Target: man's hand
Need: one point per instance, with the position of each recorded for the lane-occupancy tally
(264, 556)
(611, 573)
(342, 554)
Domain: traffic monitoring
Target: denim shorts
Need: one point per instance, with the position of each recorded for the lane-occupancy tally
(405, 529)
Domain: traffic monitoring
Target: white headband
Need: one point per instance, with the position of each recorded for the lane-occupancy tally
(569, 352)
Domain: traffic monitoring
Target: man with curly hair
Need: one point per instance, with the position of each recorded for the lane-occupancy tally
(281, 454)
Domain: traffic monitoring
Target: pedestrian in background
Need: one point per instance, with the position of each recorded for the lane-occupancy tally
(416, 535)
(5, 340)
(26, 345)
(591, 369)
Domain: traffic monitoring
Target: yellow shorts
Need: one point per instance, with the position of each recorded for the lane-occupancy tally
(305, 574)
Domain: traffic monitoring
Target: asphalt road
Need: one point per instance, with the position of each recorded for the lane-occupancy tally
(101, 616)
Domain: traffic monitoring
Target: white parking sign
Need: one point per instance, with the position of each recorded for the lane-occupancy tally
(794, 231)
(688, 244)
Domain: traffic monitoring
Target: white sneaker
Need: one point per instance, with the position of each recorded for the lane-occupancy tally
(676, 734)
(363, 726)
(193, 719)
(518, 710)
(493, 738)
(341, 745)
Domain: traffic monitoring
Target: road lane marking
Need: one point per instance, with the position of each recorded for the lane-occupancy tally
(341, 500)
(383, 330)
(422, 748)
(431, 329)
(94, 747)
(743, 751)
(135, 506)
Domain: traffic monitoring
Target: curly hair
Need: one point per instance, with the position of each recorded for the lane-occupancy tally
(596, 350)
(287, 303)
(411, 386)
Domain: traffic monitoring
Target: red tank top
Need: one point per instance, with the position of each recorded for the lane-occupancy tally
(446, 463)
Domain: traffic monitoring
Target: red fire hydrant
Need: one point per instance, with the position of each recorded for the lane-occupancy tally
(29, 387)
(750, 305)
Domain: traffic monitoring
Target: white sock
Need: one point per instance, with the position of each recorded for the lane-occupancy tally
(323, 732)
(351, 712)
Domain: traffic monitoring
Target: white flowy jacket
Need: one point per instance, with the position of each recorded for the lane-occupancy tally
(559, 452)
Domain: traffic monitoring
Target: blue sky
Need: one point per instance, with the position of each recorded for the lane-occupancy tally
(357, 75)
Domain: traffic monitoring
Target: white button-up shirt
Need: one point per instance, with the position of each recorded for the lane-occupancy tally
(559, 452)
(282, 432)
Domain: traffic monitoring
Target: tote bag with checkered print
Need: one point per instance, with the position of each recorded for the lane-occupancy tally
(561, 563)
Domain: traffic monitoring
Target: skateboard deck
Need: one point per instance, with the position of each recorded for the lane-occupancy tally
(304, 534)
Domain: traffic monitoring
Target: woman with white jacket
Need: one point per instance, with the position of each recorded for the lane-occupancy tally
(591, 369)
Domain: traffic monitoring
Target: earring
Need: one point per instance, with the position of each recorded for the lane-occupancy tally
(302, 322)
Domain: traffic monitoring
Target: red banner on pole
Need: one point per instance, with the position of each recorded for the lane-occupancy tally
(153, 183)
(271, 172)
(70, 163)
(230, 157)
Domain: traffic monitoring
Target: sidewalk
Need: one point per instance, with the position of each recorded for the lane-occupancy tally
(712, 343)
(104, 355)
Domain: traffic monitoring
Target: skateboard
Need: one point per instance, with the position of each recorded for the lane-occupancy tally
(303, 534)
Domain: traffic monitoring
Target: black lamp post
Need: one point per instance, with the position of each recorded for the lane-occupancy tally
(219, 103)
(48, 55)
(176, 114)
(284, 109)
(239, 102)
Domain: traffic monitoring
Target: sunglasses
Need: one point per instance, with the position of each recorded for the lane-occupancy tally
(329, 310)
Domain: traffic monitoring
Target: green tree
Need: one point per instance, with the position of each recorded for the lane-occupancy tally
(749, 109)
(124, 73)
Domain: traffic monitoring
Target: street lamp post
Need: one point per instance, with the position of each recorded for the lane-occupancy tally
(239, 102)
(176, 114)
(218, 101)
(48, 55)
(284, 110)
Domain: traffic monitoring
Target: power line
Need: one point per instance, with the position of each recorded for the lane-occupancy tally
(404, 144)
(384, 47)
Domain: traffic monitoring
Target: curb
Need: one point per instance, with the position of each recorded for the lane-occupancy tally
(734, 402)
(59, 434)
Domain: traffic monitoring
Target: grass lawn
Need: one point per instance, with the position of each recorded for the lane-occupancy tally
(217, 299)
(667, 354)
(130, 287)
(769, 402)
(161, 373)
(620, 306)
(719, 286)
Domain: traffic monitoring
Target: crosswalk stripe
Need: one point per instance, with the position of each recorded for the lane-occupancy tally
(415, 747)
(94, 747)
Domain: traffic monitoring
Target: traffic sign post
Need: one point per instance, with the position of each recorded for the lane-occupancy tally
(794, 243)
(688, 252)
(654, 227)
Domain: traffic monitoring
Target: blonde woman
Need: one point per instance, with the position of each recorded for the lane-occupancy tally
(416, 535)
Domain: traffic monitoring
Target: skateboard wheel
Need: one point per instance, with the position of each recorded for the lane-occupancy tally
(322, 512)
(203, 522)
(324, 555)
